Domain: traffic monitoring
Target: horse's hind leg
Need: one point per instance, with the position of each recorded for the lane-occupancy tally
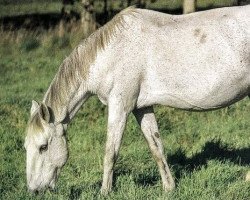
(147, 121)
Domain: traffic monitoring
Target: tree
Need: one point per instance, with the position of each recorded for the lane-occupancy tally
(188, 6)
(108, 9)
(141, 3)
(88, 19)
(128, 3)
(65, 15)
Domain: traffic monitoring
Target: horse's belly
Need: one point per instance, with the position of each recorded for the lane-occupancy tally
(197, 97)
(189, 103)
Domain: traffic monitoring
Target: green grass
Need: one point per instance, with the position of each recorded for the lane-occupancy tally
(209, 153)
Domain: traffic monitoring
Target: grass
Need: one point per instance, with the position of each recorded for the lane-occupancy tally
(209, 153)
(30, 8)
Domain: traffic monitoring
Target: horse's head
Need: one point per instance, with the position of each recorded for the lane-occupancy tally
(46, 148)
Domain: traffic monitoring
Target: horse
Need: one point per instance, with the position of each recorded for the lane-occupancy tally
(195, 62)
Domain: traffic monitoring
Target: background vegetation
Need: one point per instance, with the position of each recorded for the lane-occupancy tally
(209, 153)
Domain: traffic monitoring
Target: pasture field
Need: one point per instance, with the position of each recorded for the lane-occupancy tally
(209, 153)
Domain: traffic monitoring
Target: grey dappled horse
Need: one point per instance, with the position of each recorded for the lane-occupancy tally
(197, 62)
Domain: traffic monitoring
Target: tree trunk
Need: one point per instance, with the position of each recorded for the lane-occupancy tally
(248, 176)
(128, 3)
(188, 6)
(65, 16)
(108, 9)
(88, 20)
(105, 7)
(141, 3)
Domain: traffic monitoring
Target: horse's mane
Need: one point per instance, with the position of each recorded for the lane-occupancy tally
(102, 37)
(76, 66)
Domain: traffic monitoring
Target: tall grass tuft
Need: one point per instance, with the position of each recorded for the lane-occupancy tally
(29, 44)
(60, 42)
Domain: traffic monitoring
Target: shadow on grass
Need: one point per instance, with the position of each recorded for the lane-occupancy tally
(147, 180)
(76, 190)
(142, 179)
(214, 149)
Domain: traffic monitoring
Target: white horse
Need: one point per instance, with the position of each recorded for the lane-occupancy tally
(199, 62)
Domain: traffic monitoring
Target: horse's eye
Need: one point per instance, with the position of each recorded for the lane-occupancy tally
(43, 148)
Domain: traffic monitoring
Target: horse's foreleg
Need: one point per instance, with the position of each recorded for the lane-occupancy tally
(116, 123)
(147, 121)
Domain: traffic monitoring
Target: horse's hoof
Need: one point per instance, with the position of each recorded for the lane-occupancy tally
(105, 191)
(168, 188)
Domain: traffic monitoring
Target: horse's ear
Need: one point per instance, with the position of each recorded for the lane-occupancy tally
(44, 113)
(34, 107)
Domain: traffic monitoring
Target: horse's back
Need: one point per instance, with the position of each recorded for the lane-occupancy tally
(242, 13)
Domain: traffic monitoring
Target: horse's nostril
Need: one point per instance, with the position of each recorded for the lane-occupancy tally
(51, 189)
(36, 192)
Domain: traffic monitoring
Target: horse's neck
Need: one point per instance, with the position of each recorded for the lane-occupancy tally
(66, 109)
(79, 98)
(66, 92)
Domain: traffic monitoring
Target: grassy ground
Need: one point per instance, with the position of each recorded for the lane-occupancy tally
(209, 153)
